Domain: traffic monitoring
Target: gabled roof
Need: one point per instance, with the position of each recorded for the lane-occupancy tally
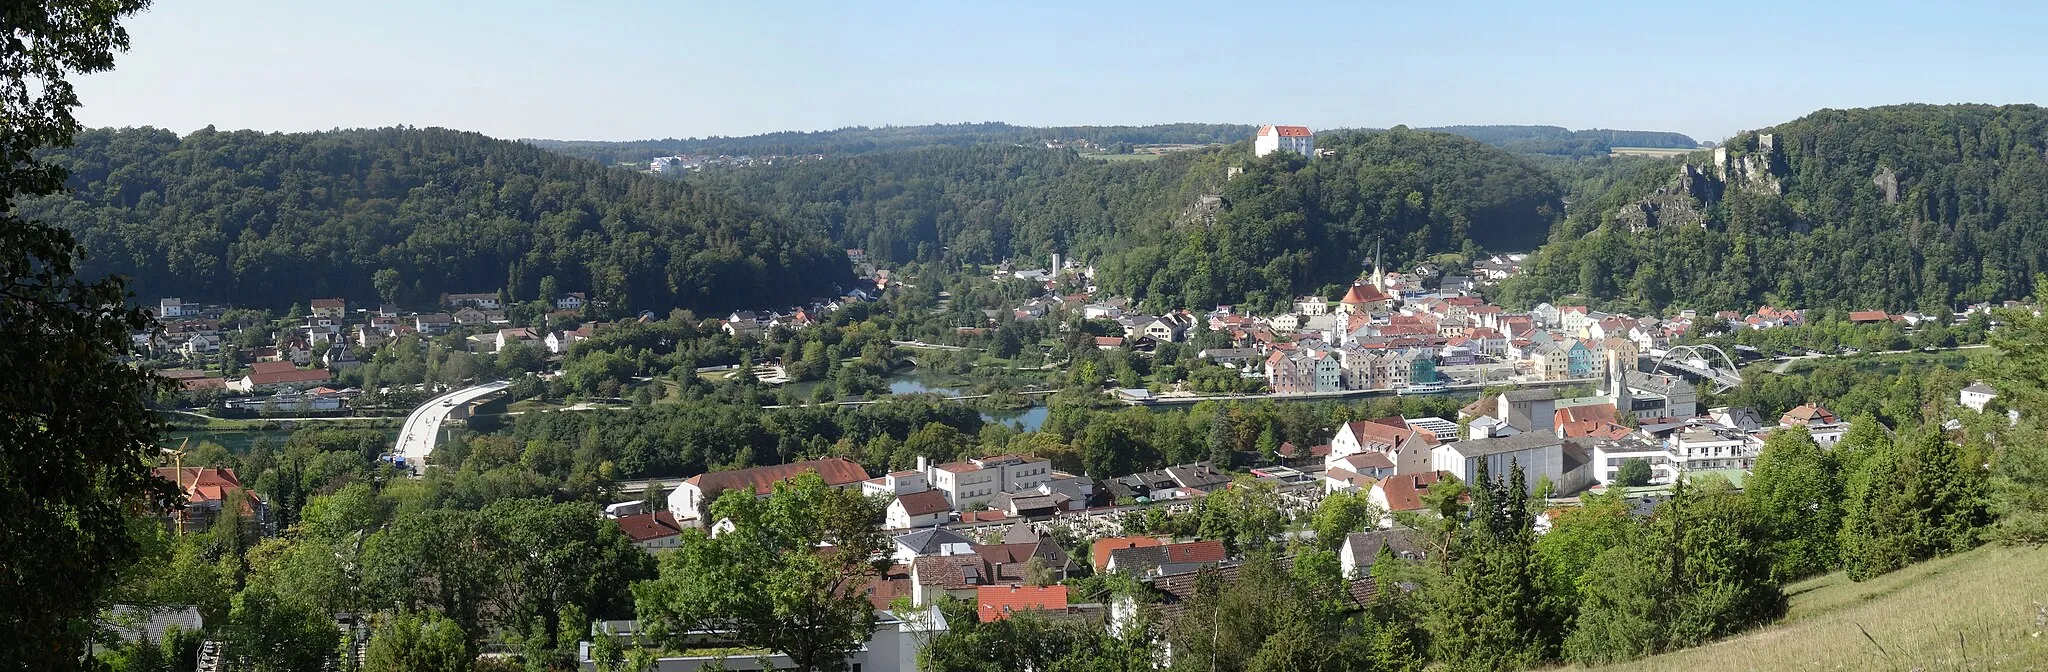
(1363, 294)
(1100, 550)
(1980, 388)
(650, 526)
(1365, 546)
(930, 541)
(837, 471)
(1808, 414)
(1505, 444)
(924, 503)
(999, 602)
(1286, 131)
(1404, 491)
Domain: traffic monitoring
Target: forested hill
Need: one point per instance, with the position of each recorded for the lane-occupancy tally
(1905, 207)
(1565, 142)
(1286, 226)
(275, 219)
(863, 140)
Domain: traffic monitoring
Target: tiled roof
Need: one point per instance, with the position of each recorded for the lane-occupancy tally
(650, 526)
(924, 503)
(837, 471)
(1099, 551)
(998, 602)
(1404, 491)
(928, 541)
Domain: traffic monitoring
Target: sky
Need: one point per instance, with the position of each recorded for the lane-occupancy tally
(620, 70)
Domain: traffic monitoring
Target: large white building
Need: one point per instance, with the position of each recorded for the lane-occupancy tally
(981, 479)
(1542, 455)
(1297, 139)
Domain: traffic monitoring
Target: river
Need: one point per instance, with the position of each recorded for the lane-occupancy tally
(913, 382)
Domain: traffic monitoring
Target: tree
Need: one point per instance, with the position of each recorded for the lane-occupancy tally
(1797, 494)
(1634, 473)
(386, 281)
(1488, 609)
(1700, 569)
(769, 582)
(1340, 514)
(414, 643)
(74, 421)
(1912, 502)
(268, 632)
(1246, 516)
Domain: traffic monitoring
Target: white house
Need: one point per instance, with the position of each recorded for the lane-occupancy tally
(690, 499)
(894, 484)
(1407, 449)
(1360, 549)
(1297, 139)
(1977, 395)
(930, 541)
(1541, 455)
(652, 531)
(918, 509)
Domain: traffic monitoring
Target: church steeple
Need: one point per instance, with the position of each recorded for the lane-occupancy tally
(1379, 272)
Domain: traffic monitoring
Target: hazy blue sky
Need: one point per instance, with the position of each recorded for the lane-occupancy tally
(676, 68)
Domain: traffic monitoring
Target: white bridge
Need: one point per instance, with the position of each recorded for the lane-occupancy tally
(1705, 362)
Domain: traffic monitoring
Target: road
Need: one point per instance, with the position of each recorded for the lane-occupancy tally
(423, 427)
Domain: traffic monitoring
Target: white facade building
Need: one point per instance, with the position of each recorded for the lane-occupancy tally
(980, 479)
(1297, 139)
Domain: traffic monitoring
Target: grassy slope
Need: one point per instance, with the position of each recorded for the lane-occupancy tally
(1991, 598)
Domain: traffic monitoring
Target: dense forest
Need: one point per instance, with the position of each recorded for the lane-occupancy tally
(1904, 207)
(1565, 142)
(864, 140)
(1289, 226)
(1286, 225)
(270, 220)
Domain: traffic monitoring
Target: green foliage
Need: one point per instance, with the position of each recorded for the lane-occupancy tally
(411, 643)
(1488, 611)
(1559, 141)
(1270, 618)
(766, 583)
(1032, 641)
(1699, 570)
(1246, 516)
(1634, 473)
(322, 214)
(270, 632)
(1576, 540)
(1340, 514)
(1290, 226)
(1794, 488)
(1910, 502)
(74, 420)
(1969, 195)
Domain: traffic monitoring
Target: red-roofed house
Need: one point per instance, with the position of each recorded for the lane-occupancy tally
(1406, 448)
(919, 509)
(1589, 420)
(1362, 298)
(206, 491)
(1868, 316)
(1297, 139)
(1098, 553)
(652, 531)
(999, 602)
(264, 376)
(689, 500)
(1403, 492)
